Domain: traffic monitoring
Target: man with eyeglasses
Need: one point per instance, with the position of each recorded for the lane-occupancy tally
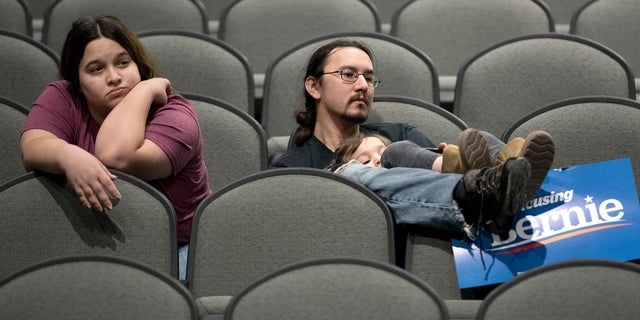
(338, 89)
(339, 86)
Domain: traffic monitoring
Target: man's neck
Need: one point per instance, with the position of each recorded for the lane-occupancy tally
(332, 134)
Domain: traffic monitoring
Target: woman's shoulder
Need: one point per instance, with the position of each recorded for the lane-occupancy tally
(177, 110)
(62, 86)
(59, 94)
(177, 100)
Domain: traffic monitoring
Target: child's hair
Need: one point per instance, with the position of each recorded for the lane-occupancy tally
(345, 151)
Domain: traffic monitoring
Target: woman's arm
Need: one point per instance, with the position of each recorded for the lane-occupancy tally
(121, 142)
(87, 176)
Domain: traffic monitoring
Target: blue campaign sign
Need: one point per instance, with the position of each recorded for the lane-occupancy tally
(586, 211)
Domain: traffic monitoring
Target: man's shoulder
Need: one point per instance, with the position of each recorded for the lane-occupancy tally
(311, 154)
(294, 157)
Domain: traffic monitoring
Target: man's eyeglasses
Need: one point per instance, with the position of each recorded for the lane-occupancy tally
(351, 75)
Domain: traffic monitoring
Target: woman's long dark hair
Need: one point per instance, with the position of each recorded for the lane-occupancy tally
(87, 29)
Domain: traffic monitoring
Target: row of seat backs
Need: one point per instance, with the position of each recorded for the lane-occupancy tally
(571, 123)
(574, 289)
(562, 10)
(430, 25)
(561, 120)
(240, 232)
(223, 72)
(102, 287)
(244, 142)
(527, 72)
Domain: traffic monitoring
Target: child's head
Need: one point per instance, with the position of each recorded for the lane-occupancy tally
(367, 148)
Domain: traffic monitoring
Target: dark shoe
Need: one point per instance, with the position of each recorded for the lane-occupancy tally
(499, 193)
(474, 150)
(539, 149)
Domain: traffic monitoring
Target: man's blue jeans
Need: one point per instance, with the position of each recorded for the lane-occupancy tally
(183, 253)
(416, 196)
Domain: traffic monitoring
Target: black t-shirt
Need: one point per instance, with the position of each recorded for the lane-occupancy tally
(314, 154)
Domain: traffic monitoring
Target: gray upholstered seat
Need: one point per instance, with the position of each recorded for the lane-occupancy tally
(198, 63)
(12, 116)
(433, 121)
(513, 78)
(139, 15)
(16, 16)
(214, 9)
(235, 144)
(263, 30)
(267, 220)
(587, 129)
(43, 218)
(563, 10)
(430, 258)
(338, 289)
(570, 290)
(386, 10)
(27, 67)
(615, 24)
(93, 287)
(38, 7)
(451, 32)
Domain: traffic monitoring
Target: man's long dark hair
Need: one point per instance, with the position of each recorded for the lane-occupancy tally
(306, 115)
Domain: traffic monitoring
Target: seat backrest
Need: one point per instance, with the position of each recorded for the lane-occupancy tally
(430, 258)
(615, 24)
(572, 290)
(38, 7)
(263, 30)
(338, 289)
(214, 9)
(586, 130)
(517, 76)
(139, 15)
(432, 120)
(43, 218)
(451, 32)
(403, 70)
(198, 63)
(93, 287)
(563, 10)
(386, 10)
(16, 16)
(234, 143)
(12, 116)
(27, 67)
(265, 221)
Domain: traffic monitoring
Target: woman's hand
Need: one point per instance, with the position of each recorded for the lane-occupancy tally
(86, 175)
(160, 88)
(89, 179)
